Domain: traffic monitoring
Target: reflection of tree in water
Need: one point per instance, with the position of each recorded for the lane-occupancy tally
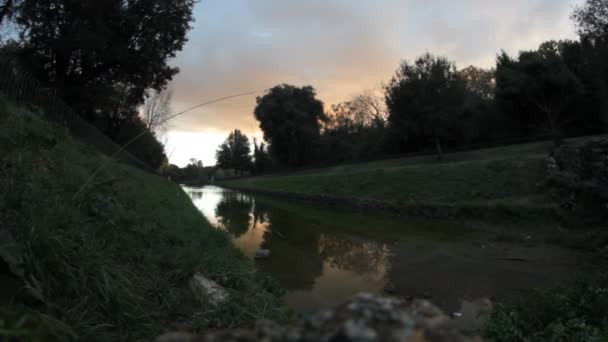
(195, 195)
(363, 257)
(233, 211)
(259, 214)
(294, 259)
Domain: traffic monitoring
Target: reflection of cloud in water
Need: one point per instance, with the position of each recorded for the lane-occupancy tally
(318, 268)
(206, 200)
(364, 257)
(314, 257)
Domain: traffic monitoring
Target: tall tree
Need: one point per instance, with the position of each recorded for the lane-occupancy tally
(479, 81)
(538, 88)
(234, 152)
(423, 99)
(101, 56)
(290, 118)
(591, 20)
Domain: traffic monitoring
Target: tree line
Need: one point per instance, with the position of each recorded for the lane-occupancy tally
(102, 58)
(429, 105)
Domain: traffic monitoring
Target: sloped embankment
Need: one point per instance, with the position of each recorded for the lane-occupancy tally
(503, 181)
(113, 262)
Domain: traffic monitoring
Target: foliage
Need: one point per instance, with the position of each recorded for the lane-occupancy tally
(424, 99)
(479, 81)
(576, 312)
(101, 56)
(119, 49)
(592, 19)
(538, 87)
(192, 174)
(578, 178)
(234, 152)
(262, 161)
(113, 263)
(145, 147)
(355, 129)
(289, 117)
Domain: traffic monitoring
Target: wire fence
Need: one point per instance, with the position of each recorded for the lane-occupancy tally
(23, 89)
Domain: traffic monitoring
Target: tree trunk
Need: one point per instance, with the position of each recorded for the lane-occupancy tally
(438, 148)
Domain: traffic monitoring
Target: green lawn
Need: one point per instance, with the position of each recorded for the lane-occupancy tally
(112, 263)
(508, 175)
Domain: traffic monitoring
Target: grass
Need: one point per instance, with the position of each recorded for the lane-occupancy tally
(506, 176)
(113, 263)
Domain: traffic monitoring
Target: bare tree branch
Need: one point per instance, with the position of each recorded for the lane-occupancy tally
(156, 110)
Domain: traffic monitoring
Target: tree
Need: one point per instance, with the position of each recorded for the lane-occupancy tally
(424, 98)
(156, 110)
(537, 88)
(361, 111)
(234, 152)
(262, 162)
(146, 148)
(479, 81)
(592, 23)
(592, 19)
(101, 56)
(290, 118)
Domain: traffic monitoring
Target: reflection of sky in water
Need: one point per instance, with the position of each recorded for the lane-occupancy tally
(320, 269)
(314, 256)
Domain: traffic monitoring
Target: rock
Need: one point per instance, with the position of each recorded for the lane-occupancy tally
(262, 253)
(365, 318)
(208, 291)
(359, 331)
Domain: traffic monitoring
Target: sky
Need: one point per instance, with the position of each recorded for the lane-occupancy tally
(340, 47)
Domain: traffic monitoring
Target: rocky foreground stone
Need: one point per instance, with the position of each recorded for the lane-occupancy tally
(364, 318)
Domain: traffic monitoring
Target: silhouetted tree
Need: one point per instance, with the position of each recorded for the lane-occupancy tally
(146, 148)
(592, 19)
(537, 88)
(100, 56)
(424, 99)
(592, 24)
(289, 117)
(234, 152)
(479, 81)
(262, 161)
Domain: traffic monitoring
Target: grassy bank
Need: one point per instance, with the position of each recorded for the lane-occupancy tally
(112, 263)
(504, 178)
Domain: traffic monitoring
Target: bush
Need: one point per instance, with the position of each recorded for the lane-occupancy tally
(578, 312)
(578, 179)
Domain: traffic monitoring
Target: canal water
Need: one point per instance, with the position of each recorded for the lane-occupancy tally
(324, 255)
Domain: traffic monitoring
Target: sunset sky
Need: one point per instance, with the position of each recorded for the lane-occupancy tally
(340, 47)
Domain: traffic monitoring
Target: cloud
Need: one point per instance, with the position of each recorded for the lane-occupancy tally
(341, 47)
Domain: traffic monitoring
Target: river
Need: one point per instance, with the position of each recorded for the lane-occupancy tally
(323, 256)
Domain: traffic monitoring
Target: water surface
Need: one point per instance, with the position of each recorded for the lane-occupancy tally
(325, 255)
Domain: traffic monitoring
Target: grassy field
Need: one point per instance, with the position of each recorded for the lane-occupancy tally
(506, 176)
(113, 262)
